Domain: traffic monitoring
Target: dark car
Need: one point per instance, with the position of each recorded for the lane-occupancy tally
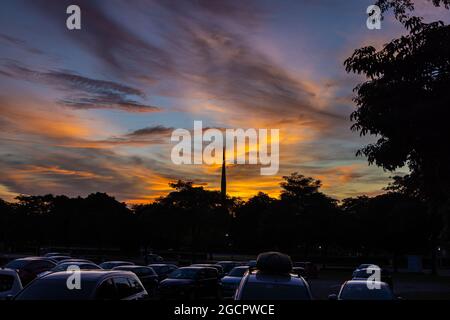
(272, 280)
(109, 265)
(230, 282)
(359, 290)
(29, 268)
(310, 269)
(57, 259)
(211, 265)
(190, 283)
(147, 275)
(163, 270)
(75, 260)
(54, 254)
(95, 285)
(364, 274)
(153, 258)
(227, 266)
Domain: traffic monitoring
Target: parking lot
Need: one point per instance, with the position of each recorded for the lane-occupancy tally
(215, 279)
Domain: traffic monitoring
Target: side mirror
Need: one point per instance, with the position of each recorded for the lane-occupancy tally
(9, 297)
(332, 297)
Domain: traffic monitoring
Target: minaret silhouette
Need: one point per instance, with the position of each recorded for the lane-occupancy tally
(223, 183)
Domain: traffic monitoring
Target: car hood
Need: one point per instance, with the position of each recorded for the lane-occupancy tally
(176, 282)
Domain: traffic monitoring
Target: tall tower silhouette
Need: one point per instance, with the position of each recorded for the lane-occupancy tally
(223, 182)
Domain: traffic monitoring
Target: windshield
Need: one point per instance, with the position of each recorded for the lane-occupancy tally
(362, 292)
(183, 274)
(16, 264)
(237, 272)
(158, 269)
(273, 291)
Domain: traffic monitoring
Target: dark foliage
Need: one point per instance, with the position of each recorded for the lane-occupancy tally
(303, 220)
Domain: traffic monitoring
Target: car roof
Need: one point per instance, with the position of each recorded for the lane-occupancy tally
(131, 267)
(35, 259)
(197, 267)
(88, 275)
(263, 277)
(117, 261)
(362, 282)
(161, 265)
(75, 263)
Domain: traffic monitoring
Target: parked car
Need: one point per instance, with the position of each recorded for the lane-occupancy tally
(75, 260)
(95, 285)
(211, 265)
(147, 275)
(153, 258)
(364, 266)
(163, 270)
(230, 282)
(28, 268)
(10, 283)
(65, 265)
(227, 266)
(190, 283)
(310, 269)
(359, 290)
(54, 254)
(272, 280)
(364, 274)
(109, 265)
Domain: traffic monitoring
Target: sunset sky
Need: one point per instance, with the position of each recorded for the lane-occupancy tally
(93, 109)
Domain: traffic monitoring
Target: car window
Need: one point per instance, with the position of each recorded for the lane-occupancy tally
(16, 264)
(106, 291)
(363, 292)
(147, 271)
(6, 282)
(183, 274)
(44, 265)
(237, 272)
(56, 289)
(164, 269)
(211, 273)
(123, 287)
(201, 274)
(135, 286)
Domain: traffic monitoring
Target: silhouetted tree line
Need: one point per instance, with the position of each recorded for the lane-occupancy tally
(303, 220)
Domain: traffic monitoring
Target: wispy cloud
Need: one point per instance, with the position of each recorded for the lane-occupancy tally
(83, 92)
